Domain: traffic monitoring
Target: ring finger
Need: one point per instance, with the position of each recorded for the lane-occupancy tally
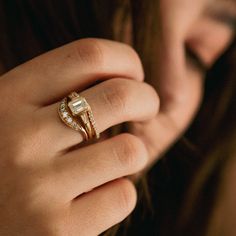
(112, 102)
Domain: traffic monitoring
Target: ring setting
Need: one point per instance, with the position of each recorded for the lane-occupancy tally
(76, 113)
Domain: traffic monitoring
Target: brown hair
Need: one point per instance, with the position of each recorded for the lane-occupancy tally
(177, 195)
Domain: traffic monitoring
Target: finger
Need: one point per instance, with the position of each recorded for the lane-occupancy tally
(88, 167)
(112, 102)
(102, 208)
(74, 66)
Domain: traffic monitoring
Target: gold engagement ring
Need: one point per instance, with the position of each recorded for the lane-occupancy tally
(76, 113)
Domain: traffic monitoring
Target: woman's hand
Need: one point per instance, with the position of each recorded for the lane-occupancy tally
(47, 186)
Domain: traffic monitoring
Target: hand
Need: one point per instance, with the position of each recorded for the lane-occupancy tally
(47, 187)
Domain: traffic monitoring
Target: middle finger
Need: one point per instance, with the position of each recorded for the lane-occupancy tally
(112, 102)
(81, 170)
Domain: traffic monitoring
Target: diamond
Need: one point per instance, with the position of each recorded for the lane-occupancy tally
(64, 114)
(69, 119)
(78, 105)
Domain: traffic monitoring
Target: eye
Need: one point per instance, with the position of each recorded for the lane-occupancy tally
(194, 60)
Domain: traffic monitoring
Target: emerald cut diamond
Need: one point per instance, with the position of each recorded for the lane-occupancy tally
(78, 105)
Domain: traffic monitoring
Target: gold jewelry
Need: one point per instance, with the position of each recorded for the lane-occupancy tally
(80, 107)
(78, 115)
(69, 120)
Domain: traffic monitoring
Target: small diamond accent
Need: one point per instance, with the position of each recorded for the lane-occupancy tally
(62, 107)
(64, 114)
(91, 118)
(69, 120)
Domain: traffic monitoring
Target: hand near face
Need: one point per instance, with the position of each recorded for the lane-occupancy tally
(192, 36)
(52, 188)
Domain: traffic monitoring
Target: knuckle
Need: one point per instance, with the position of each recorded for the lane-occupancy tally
(90, 51)
(127, 195)
(154, 98)
(52, 226)
(20, 154)
(38, 192)
(135, 58)
(41, 193)
(132, 52)
(130, 152)
(58, 228)
(116, 96)
(25, 148)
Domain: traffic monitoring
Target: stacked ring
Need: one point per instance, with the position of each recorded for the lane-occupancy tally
(76, 113)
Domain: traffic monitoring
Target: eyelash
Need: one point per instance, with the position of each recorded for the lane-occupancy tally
(195, 59)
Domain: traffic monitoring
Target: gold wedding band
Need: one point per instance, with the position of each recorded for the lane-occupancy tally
(76, 113)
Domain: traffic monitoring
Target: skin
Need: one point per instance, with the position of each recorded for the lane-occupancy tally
(49, 188)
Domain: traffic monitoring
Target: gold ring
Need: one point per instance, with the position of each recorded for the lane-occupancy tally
(76, 113)
(69, 120)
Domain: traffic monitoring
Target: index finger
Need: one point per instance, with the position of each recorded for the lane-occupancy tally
(74, 66)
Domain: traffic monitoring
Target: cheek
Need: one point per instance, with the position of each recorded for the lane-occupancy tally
(209, 39)
(179, 85)
(194, 91)
(178, 15)
(187, 99)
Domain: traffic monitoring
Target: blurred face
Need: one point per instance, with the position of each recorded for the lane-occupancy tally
(193, 35)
